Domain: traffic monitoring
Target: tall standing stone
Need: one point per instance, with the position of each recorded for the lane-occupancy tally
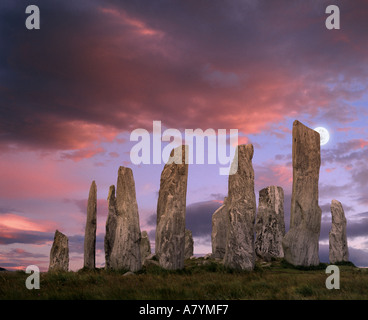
(145, 246)
(111, 223)
(171, 207)
(189, 244)
(90, 231)
(241, 204)
(339, 251)
(301, 242)
(126, 252)
(270, 224)
(219, 231)
(59, 255)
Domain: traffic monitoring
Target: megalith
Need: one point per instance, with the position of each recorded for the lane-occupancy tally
(111, 223)
(145, 246)
(270, 224)
(59, 255)
(301, 241)
(219, 231)
(90, 230)
(189, 244)
(126, 252)
(339, 251)
(241, 203)
(171, 208)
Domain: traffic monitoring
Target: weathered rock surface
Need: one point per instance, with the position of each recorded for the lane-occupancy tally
(59, 255)
(126, 252)
(301, 242)
(90, 231)
(145, 246)
(270, 224)
(241, 204)
(189, 244)
(219, 231)
(339, 251)
(111, 223)
(171, 207)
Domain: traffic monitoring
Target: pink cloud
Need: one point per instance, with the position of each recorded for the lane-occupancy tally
(122, 17)
(273, 174)
(79, 155)
(26, 175)
(11, 222)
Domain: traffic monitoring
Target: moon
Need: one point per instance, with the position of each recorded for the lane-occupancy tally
(325, 136)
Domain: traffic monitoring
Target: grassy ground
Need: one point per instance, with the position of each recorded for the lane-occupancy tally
(201, 279)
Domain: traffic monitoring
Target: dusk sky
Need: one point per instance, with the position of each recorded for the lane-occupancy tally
(72, 92)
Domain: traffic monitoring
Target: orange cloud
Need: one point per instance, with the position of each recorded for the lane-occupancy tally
(11, 222)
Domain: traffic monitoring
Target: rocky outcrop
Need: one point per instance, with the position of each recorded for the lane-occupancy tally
(145, 246)
(111, 223)
(126, 252)
(90, 230)
(59, 255)
(301, 242)
(339, 251)
(189, 244)
(219, 231)
(171, 206)
(270, 224)
(241, 204)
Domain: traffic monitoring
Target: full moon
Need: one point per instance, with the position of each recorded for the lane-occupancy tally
(325, 136)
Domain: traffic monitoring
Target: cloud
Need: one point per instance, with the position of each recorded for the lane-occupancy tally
(76, 243)
(168, 61)
(12, 221)
(29, 175)
(198, 218)
(218, 196)
(19, 259)
(82, 154)
(358, 256)
(271, 173)
(29, 237)
(81, 204)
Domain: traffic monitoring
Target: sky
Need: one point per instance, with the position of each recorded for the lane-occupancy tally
(73, 91)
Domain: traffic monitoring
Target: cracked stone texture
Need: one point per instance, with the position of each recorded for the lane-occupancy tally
(59, 255)
(90, 231)
(339, 251)
(126, 252)
(301, 242)
(270, 224)
(219, 231)
(111, 224)
(171, 208)
(241, 203)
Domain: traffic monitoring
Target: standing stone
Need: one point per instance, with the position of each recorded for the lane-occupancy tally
(338, 243)
(301, 242)
(270, 224)
(126, 252)
(171, 206)
(90, 231)
(219, 231)
(145, 246)
(59, 255)
(189, 244)
(111, 223)
(241, 204)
